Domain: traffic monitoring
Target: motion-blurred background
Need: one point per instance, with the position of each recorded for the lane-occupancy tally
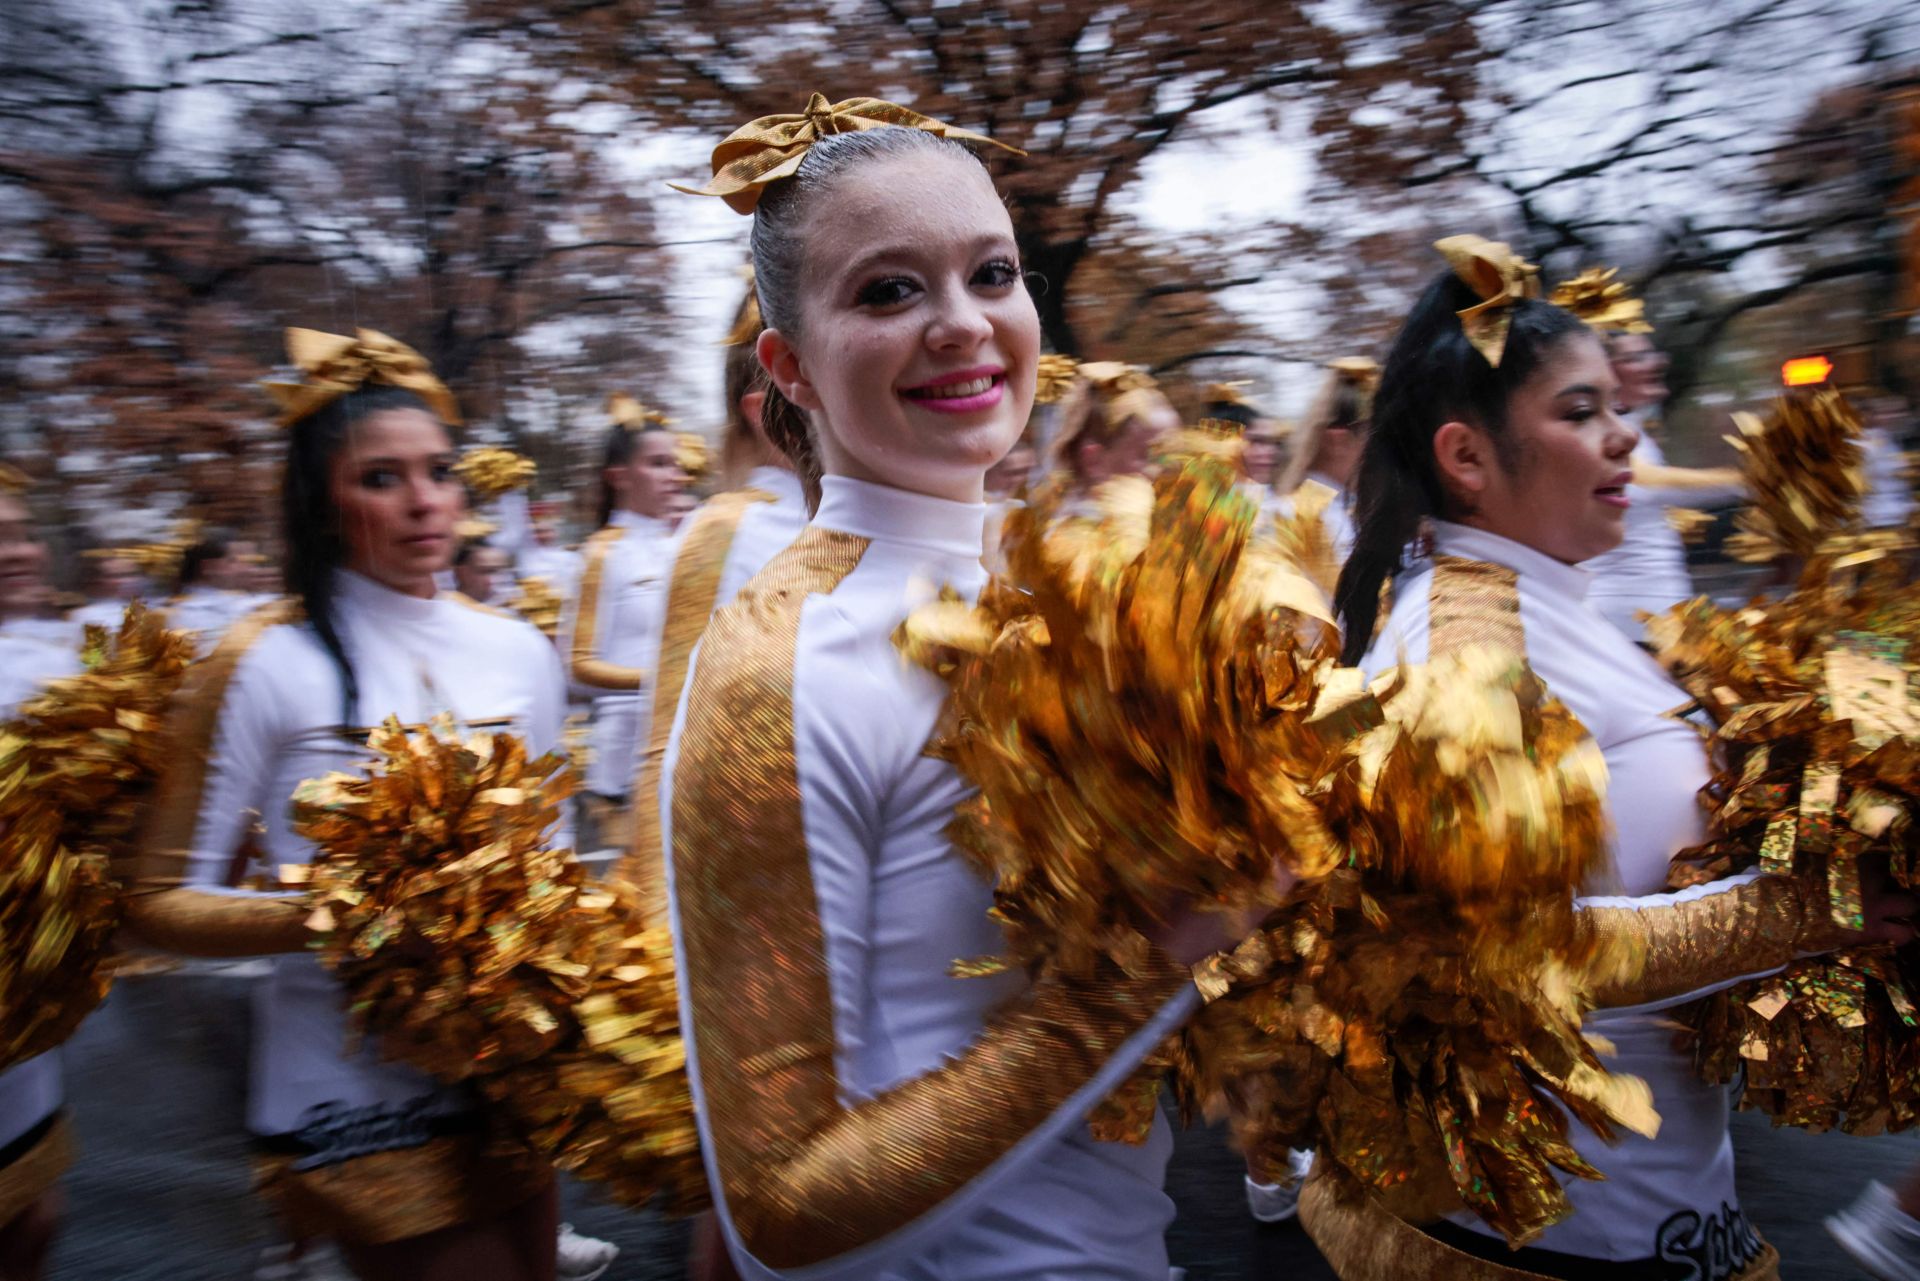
(1217, 189)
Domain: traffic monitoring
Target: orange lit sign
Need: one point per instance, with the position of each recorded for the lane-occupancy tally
(1806, 371)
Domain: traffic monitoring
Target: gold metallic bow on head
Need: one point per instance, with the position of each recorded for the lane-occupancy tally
(1501, 278)
(14, 482)
(772, 147)
(1358, 370)
(1230, 393)
(691, 452)
(634, 416)
(336, 364)
(1603, 302)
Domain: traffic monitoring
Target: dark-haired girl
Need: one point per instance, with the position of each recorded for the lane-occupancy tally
(863, 1113)
(611, 630)
(1495, 465)
(395, 1168)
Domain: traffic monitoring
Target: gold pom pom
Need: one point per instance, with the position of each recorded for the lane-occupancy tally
(491, 472)
(76, 767)
(1817, 774)
(1804, 465)
(691, 453)
(474, 952)
(1151, 708)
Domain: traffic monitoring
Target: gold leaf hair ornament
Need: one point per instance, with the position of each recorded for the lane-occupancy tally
(1501, 278)
(766, 150)
(691, 452)
(491, 471)
(1602, 301)
(634, 416)
(335, 365)
(13, 482)
(1233, 393)
(1053, 376)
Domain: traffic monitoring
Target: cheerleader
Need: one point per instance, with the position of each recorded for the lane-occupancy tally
(1494, 424)
(1110, 420)
(1328, 451)
(730, 539)
(863, 1113)
(35, 1145)
(611, 627)
(1647, 570)
(400, 1171)
(213, 590)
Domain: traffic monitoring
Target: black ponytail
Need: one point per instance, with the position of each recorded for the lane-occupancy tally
(1433, 376)
(316, 546)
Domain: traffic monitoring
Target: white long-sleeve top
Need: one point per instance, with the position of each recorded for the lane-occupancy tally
(1648, 570)
(1889, 500)
(279, 724)
(559, 567)
(207, 612)
(610, 635)
(764, 531)
(879, 905)
(1671, 1196)
(29, 1091)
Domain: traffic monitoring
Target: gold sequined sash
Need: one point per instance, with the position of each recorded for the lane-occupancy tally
(1472, 602)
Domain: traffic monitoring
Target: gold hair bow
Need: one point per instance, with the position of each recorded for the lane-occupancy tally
(1501, 278)
(13, 481)
(1603, 302)
(1358, 370)
(690, 451)
(1113, 379)
(1230, 393)
(1053, 375)
(772, 147)
(335, 365)
(634, 416)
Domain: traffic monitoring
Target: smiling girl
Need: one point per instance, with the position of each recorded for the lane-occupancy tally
(863, 1112)
(1494, 427)
(395, 1168)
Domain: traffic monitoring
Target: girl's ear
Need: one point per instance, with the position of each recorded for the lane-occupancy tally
(782, 363)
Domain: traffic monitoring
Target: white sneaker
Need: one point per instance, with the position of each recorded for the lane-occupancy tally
(579, 1258)
(1278, 1202)
(1879, 1235)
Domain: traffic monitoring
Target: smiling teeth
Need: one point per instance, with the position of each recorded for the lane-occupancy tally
(957, 391)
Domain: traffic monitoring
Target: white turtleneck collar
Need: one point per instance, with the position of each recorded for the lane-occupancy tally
(362, 593)
(778, 481)
(623, 519)
(886, 514)
(1469, 543)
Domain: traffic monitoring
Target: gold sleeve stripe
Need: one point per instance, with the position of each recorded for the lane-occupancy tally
(690, 599)
(583, 657)
(805, 1179)
(1473, 603)
(161, 910)
(1658, 953)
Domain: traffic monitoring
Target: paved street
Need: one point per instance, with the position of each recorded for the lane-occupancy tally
(160, 1193)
